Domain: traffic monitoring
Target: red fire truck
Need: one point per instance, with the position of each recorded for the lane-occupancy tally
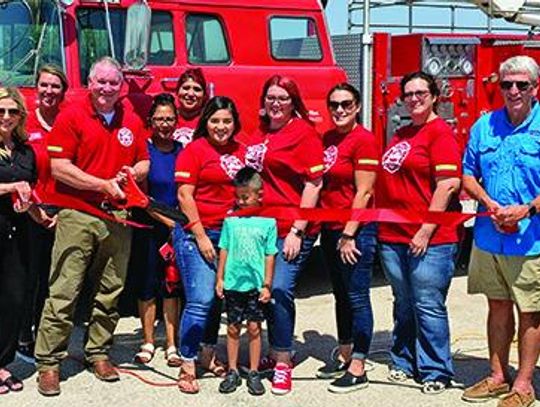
(239, 44)
(465, 64)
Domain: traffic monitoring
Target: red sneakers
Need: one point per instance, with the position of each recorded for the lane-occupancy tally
(282, 380)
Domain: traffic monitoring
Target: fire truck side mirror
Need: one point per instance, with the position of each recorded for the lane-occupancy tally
(139, 17)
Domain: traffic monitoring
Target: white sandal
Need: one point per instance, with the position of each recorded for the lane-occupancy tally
(171, 355)
(145, 354)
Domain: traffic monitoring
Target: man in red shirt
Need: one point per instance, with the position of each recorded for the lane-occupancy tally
(92, 145)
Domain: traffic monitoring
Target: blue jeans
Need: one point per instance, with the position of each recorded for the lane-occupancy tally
(421, 336)
(200, 319)
(351, 284)
(282, 312)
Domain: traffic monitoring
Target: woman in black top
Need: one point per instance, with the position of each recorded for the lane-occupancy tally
(17, 172)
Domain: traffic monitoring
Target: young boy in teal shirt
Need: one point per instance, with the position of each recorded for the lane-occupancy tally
(244, 278)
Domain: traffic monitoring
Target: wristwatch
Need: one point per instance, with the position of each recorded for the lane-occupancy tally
(346, 236)
(532, 210)
(298, 232)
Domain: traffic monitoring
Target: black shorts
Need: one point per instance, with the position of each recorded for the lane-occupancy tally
(243, 306)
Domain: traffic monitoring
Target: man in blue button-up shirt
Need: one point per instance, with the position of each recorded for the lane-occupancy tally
(501, 169)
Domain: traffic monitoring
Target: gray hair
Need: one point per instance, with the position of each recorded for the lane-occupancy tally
(106, 60)
(520, 64)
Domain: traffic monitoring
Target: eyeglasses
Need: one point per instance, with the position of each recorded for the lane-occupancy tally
(345, 104)
(10, 112)
(521, 85)
(420, 94)
(280, 99)
(168, 120)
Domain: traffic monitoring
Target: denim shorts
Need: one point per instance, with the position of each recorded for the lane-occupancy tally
(243, 306)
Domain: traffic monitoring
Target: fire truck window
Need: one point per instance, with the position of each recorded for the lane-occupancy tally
(161, 39)
(294, 38)
(205, 40)
(29, 38)
(93, 36)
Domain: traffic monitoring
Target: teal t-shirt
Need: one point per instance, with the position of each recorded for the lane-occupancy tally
(248, 240)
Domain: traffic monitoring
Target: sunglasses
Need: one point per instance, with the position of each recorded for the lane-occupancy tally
(521, 85)
(10, 112)
(345, 104)
(420, 94)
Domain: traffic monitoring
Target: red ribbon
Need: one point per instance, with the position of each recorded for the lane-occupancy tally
(360, 215)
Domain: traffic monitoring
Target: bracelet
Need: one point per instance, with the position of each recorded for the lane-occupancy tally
(346, 236)
(298, 232)
(190, 225)
(267, 286)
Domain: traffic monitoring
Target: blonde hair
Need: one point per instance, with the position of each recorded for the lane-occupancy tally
(19, 133)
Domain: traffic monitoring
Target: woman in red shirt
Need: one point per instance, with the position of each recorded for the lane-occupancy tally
(351, 158)
(51, 87)
(288, 152)
(192, 96)
(204, 173)
(421, 171)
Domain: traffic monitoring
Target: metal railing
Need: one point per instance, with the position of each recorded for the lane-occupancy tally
(356, 20)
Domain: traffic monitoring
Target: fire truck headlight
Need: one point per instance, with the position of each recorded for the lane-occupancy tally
(434, 66)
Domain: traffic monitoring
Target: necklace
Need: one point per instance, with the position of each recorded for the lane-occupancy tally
(42, 121)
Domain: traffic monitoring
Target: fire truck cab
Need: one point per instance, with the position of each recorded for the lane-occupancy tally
(238, 44)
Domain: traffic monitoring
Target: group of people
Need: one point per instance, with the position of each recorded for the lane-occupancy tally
(191, 153)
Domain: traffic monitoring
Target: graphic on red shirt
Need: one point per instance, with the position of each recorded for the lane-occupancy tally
(255, 156)
(184, 130)
(125, 136)
(210, 169)
(287, 159)
(395, 156)
(344, 155)
(330, 157)
(415, 158)
(231, 164)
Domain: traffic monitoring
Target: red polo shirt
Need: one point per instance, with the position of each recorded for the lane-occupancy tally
(415, 157)
(286, 158)
(37, 138)
(83, 136)
(211, 169)
(343, 155)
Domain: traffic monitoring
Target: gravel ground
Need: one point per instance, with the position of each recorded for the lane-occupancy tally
(315, 338)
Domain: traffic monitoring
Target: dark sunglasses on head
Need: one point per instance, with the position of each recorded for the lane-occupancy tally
(521, 85)
(11, 112)
(345, 104)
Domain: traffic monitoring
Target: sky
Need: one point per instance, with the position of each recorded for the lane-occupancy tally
(336, 14)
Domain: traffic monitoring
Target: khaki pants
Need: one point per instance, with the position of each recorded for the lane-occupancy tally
(83, 244)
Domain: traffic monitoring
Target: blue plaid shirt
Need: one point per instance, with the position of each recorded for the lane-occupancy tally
(506, 160)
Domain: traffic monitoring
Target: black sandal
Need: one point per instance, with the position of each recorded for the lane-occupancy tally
(13, 383)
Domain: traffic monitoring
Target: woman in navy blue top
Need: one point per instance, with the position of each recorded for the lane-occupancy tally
(149, 266)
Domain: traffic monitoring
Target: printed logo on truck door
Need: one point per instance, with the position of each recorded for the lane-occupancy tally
(125, 137)
(394, 157)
